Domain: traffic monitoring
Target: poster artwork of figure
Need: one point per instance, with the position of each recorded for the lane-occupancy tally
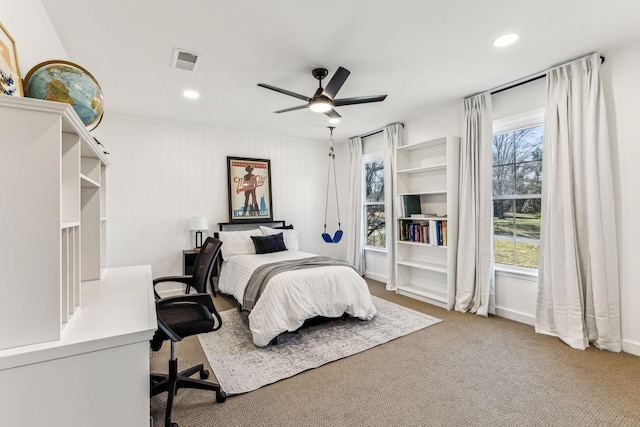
(250, 190)
(248, 185)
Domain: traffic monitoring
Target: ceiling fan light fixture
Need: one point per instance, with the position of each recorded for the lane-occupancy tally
(321, 104)
(334, 120)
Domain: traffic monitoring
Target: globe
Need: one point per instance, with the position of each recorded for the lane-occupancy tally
(64, 81)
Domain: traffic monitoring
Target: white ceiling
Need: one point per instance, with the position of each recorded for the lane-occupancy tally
(424, 54)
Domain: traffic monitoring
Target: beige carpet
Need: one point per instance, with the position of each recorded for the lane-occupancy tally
(466, 371)
(241, 367)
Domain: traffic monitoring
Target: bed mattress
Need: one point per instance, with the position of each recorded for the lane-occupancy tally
(292, 297)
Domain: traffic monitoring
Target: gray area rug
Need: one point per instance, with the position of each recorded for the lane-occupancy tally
(241, 367)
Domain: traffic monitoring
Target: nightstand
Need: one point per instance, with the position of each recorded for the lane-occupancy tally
(189, 259)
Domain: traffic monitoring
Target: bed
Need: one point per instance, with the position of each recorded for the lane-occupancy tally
(289, 293)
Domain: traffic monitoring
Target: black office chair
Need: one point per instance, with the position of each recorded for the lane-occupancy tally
(181, 316)
(203, 267)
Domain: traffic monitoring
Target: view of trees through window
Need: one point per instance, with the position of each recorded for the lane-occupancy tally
(374, 204)
(517, 188)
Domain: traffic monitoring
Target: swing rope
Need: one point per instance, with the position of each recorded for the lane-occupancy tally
(332, 160)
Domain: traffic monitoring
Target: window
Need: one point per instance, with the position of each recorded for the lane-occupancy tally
(374, 201)
(517, 190)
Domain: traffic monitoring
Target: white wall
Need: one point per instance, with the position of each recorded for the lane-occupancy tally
(163, 173)
(443, 122)
(622, 97)
(30, 26)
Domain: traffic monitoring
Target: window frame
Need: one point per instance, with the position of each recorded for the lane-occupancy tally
(511, 124)
(371, 157)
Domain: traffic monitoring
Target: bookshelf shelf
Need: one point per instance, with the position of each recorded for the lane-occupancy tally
(426, 183)
(424, 169)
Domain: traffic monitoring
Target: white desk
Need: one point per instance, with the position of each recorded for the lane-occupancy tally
(97, 374)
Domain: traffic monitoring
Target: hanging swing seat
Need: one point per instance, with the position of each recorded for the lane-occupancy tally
(337, 236)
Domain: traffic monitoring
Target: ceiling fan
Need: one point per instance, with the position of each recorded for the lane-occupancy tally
(323, 101)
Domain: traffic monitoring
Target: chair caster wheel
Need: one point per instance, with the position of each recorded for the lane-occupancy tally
(204, 374)
(174, 425)
(221, 396)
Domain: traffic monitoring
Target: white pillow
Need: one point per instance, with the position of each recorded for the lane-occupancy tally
(289, 236)
(238, 242)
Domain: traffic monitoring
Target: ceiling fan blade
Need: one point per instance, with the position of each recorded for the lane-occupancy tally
(292, 109)
(358, 100)
(286, 92)
(336, 82)
(332, 114)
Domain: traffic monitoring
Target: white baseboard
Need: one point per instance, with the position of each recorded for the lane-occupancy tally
(627, 346)
(631, 347)
(527, 319)
(374, 276)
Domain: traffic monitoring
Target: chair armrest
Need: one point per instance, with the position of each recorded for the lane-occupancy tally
(187, 280)
(168, 331)
(181, 279)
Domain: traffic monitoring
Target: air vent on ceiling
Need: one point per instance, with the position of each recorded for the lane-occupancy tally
(184, 60)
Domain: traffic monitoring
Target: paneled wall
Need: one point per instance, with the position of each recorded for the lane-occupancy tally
(163, 173)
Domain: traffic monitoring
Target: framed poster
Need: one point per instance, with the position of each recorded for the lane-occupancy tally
(249, 189)
(10, 81)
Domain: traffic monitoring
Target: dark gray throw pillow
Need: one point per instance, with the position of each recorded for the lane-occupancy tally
(268, 244)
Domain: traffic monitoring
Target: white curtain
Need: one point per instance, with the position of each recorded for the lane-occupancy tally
(392, 139)
(578, 294)
(475, 278)
(355, 253)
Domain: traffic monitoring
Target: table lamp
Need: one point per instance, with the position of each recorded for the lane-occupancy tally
(198, 224)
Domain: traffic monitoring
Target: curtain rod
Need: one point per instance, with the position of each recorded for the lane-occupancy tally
(373, 132)
(532, 77)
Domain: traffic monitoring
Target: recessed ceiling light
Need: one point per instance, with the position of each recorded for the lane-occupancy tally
(334, 120)
(506, 40)
(192, 94)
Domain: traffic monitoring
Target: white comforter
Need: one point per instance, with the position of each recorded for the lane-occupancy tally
(292, 297)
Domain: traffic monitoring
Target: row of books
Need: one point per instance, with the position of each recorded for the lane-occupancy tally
(432, 232)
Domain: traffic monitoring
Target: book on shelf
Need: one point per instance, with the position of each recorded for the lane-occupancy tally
(411, 205)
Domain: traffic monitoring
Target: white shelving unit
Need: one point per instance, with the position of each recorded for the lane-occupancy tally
(51, 171)
(426, 269)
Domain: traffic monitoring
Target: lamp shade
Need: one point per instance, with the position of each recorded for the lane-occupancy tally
(198, 223)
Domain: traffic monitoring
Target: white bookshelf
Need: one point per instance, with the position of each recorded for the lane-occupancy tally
(51, 222)
(426, 265)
